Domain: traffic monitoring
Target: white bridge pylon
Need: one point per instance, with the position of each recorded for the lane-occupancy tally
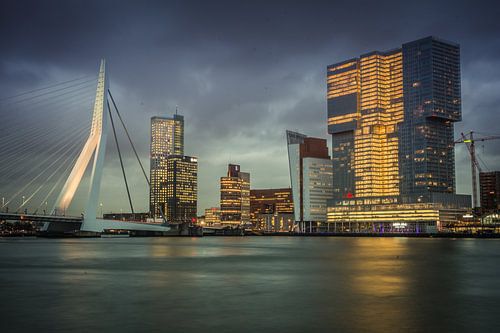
(95, 146)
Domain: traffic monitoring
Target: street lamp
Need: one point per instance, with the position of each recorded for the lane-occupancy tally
(101, 209)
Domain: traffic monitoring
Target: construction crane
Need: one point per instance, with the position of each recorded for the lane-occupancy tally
(470, 141)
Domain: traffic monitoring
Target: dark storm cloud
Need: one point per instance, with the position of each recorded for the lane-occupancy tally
(240, 72)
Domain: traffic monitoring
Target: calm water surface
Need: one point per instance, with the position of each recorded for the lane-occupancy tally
(250, 284)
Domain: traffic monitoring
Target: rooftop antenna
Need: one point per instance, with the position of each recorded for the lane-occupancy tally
(176, 109)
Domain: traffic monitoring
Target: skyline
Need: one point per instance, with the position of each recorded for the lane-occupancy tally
(230, 85)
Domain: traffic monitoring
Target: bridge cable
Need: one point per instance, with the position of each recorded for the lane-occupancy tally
(120, 156)
(39, 165)
(29, 140)
(25, 152)
(135, 152)
(129, 139)
(46, 167)
(49, 177)
(57, 183)
(54, 91)
(41, 110)
(44, 88)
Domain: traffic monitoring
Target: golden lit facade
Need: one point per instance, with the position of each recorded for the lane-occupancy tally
(269, 206)
(212, 216)
(391, 118)
(365, 104)
(375, 139)
(343, 94)
(387, 215)
(167, 138)
(235, 197)
(182, 189)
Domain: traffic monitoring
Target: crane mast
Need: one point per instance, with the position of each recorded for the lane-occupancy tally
(470, 141)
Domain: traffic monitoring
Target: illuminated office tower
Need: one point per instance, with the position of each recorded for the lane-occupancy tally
(365, 104)
(391, 118)
(343, 94)
(310, 175)
(182, 188)
(235, 197)
(167, 138)
(396, 110)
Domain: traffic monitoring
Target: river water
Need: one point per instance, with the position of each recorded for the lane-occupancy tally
(250, 284)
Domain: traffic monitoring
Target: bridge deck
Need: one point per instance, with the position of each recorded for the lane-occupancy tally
(39, 218)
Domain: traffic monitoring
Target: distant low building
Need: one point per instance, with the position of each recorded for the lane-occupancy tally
(212, 216)
(272, 209)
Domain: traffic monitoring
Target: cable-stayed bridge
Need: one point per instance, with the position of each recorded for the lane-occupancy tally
(43, 164)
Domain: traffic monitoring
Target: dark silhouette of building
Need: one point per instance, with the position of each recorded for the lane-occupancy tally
(489, 183)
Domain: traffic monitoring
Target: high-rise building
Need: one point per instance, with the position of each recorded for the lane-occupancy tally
(182, 188)
(365, 105)
(489, 183)
(432, 103)
(167, 138)
(167, 135)
(311, 176)
(391, 118)
(235, 197)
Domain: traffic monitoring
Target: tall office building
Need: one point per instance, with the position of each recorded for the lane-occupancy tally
(167, 138)
(311, 176)
(365, 105)
(235, 197)
(182, 188)
(432, 103)
(489, 184)
(391, 118)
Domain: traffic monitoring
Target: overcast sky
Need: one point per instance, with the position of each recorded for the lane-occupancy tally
(241, 72)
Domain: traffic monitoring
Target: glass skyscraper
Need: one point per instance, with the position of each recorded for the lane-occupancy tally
(167, 138)
(391, 118)
(432, 103)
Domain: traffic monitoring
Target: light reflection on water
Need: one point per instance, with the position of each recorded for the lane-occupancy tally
(250, 284)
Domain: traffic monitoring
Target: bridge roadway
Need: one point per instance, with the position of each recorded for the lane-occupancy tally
(62, 224)
(40, 218)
